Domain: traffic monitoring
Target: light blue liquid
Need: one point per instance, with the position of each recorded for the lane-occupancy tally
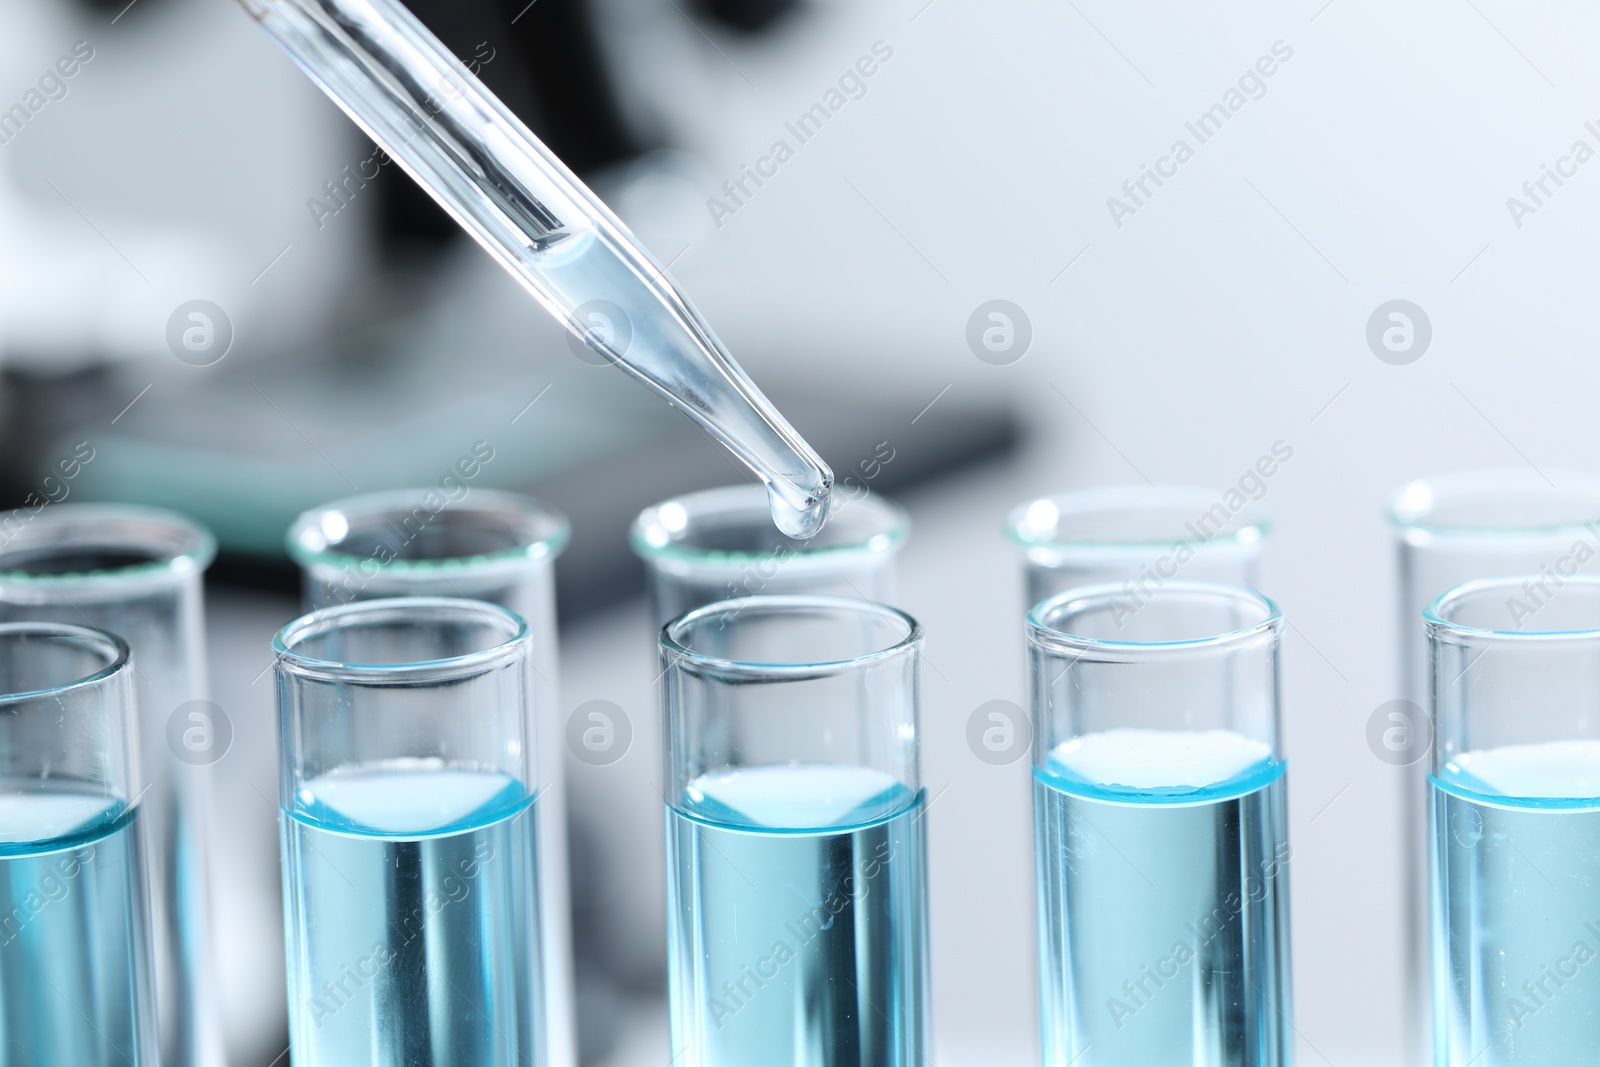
(1516, 907)
(797, 928)
(75, 979)
(1163, 908)
(411, 894)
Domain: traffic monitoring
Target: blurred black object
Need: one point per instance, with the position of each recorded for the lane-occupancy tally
(35, 407)
(544, 60)
(749, 16)
(115, 6)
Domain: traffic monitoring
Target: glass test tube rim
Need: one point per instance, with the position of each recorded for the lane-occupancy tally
(1439, 625)
(663, 543)
(323, 621)
(1461, 638)
(1248, 526)
(106, 643)
(181, 545)
(1049, 636)
(1410, 504)
(545, 534)
(681, 656)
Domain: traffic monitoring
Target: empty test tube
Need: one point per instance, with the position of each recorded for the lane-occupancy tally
(720, 543)
(1143, 535)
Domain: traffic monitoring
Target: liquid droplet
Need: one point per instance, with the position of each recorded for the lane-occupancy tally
(802, 521)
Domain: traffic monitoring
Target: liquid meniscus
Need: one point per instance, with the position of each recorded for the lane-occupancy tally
(412, 901)
(797, 919)
(1516, 905)
(75, 977)
(1163, 901)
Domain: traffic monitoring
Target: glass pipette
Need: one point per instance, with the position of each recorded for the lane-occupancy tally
(487, 169)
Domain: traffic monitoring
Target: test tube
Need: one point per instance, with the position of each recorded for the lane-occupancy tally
(796, 862)
(76, 985)
(137, 572)
(408, 786)
(1515, 817)
(720, 543)
(1451, 530)
(1146, 535)
(457, 541)
(1161, 835)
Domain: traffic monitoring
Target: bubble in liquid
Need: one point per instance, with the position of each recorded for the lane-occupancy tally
(800, 522)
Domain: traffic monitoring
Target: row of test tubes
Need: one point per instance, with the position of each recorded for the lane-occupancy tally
(422, 801)
(1162, 845)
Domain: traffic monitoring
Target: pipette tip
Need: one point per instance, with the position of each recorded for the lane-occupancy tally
(803, 520)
